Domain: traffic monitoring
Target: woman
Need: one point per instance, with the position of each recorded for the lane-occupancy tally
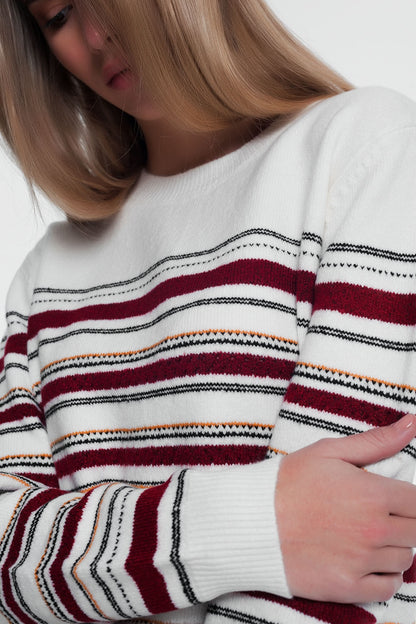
(233, 284)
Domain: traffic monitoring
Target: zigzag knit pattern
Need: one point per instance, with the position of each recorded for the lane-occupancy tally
(156, 368)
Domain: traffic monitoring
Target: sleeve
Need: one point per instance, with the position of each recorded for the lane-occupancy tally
(116, 551)
(357, 362)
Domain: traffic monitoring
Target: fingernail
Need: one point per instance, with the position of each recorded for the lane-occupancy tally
(405, 423)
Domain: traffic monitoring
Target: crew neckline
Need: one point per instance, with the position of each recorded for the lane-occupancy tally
(196, 180)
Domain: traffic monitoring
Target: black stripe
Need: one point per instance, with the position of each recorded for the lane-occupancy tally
(404, 598)
(325, 425)
(19, 393)
(176, 539)
(239, 616)
(80, 362)
(102, 546)
(393, 345)
(195, 254)
(318, 422)
(310, 236)
(371, 251)
(364, 267)
(113, 554)
(49, 593)
(166, 391)
(21, 428)
(131, 482)
(366, 386)
(262, 303)
(135, 437)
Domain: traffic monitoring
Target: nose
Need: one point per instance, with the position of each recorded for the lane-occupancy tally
(95, 37)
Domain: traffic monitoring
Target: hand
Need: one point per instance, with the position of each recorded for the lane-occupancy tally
(346, 534)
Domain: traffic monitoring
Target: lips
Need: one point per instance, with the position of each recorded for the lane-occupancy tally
(111, 71)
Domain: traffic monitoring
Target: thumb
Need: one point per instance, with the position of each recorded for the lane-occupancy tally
(376, 444)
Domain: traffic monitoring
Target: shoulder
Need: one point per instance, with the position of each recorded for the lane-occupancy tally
(54, 257)
(344, 127)
(366, 111)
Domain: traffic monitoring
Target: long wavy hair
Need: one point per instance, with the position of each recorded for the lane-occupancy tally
(208, 63)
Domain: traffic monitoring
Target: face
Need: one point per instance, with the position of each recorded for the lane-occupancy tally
(90, 56)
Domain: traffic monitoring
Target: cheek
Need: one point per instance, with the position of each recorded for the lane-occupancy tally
(73, 55)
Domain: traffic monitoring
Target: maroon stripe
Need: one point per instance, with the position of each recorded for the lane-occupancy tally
(31, 506)
(257, 272)
(217, 363)
(66, 543)
(362, 411)
(20, 411)
(17, 343)
(366, 302)
(140, 561)
(160, 456)
(410, 575)
(329, 612)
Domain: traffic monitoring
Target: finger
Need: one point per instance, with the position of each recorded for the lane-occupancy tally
(378, 587)
(400, 498)
(391, 560)
(374, 445)
(400, 532)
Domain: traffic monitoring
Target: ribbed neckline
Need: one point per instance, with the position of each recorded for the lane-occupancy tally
(202, 178)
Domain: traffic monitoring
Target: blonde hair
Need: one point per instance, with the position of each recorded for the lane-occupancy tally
(207, 63)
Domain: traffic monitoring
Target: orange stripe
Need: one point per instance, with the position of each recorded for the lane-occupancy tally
(168, 338)
(21, 456)
(166, 426)
(341, 372)
(278, 451)
(12, 516)
(15, 390)
(19, 480)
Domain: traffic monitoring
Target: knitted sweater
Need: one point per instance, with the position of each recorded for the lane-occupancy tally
(158, 366)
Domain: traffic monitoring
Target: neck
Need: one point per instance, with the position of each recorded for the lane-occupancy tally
(171, 150)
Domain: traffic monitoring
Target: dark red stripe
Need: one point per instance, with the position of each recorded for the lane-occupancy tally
(17, 343)
(163, 370)
(366, 302)
(139, 563)
(160, 456)
(31, 506)
(329, 612)
(363, 411)
(410, 575)
(19, 411)
(257, 272)
(66, 543)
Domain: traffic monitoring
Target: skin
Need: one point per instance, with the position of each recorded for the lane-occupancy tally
(352, 548)
(87, 53)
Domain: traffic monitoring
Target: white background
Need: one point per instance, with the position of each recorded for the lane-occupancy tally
(370, 41)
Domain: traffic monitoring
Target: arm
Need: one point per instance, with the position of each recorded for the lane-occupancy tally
(117, 551)
(356, 370)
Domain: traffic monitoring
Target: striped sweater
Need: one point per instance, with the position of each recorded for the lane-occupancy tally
(157, 367)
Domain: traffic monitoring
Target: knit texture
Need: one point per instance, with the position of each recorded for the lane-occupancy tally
(157, 367)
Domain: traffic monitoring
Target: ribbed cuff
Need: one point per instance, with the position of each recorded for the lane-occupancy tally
(230, 538)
